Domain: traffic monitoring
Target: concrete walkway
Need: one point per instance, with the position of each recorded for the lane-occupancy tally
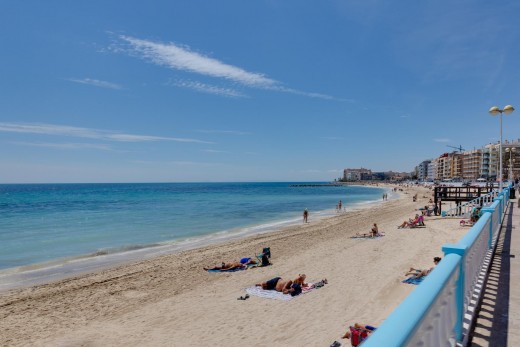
(498, 321)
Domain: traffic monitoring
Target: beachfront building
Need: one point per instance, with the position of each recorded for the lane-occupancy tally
(361, 174)
(421, 170)
(432, 170)
(455, 165)
(490, 161)
(443, 167)
(471, 164)
(511, 158)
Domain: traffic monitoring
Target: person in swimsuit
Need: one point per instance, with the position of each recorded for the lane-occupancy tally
(418, 273)
(242, 263)
(374, 231)
(277, 284)
(228, 266)
(305, 215)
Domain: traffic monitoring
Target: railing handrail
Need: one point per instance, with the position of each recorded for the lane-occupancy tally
(479, 201)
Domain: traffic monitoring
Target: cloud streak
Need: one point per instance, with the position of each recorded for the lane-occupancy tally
(96, 83)
(64, 130)
(65, 146)
(207, 88)
(183, 58)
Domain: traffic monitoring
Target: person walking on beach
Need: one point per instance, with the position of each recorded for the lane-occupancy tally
(305, 215)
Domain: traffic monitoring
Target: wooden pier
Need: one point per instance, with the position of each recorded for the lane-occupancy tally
(459, 194)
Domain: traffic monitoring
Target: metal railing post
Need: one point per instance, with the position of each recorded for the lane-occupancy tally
(459, 297)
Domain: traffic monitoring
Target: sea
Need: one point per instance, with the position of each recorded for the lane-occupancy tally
(51, 231)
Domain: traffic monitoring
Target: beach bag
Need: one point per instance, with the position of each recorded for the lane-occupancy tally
(266, 254)
(357, 336)
(265, 260)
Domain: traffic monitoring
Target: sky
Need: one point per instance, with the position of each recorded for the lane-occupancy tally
(216, 91)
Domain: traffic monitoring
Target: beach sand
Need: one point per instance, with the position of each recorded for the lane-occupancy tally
(171, 301)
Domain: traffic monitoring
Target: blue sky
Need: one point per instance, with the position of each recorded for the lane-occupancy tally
(176, 91)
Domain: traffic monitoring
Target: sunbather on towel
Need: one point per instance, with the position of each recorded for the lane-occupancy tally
(242, 263)
(228, 266)
(277, 284)
(418, 273)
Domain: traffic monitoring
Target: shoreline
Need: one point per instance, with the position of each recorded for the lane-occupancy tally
(170, 298)
(64, 268)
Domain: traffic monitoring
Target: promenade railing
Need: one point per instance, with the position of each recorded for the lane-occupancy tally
(441, 310)
(464, 210)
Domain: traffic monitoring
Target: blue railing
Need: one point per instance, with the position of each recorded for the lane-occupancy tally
(440, 311)
(464, 210)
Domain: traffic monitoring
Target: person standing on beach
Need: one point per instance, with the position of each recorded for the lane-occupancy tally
(305, 215)
(340, 205)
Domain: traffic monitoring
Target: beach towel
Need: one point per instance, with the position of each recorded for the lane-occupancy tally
(414, 280)
(233, 270)
(249, 266)
(273, 294)
(366, 236)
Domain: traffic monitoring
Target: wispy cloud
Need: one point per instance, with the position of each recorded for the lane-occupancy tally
(207, 88)
(65, 146)
(96, 83)
(213, 151)
(63, 130)
(183, 58)
(442, 140)
(230, 132)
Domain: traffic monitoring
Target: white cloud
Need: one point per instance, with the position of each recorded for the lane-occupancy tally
(182, 58)
(63, 130)
(206, 88)
(230, 132)
(65, 145)
(96, 83)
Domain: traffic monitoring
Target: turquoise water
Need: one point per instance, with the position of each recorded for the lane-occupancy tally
(42, 223)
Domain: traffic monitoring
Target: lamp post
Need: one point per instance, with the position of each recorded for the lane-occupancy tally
(510, 150)
(494, 112)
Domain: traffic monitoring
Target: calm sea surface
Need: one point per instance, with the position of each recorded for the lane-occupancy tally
(48, 222)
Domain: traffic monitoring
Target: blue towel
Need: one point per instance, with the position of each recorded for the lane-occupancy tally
(234, 270)
(414, 280)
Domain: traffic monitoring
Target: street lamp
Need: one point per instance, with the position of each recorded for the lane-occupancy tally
(495, 111)
(511, 160)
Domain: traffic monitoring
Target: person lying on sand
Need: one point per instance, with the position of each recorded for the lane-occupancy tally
(243, 263)
(301, 280)
(228, 266)
(418, 273)
(277, 284)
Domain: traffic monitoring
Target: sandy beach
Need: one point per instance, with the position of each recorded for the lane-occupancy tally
(171, 301)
